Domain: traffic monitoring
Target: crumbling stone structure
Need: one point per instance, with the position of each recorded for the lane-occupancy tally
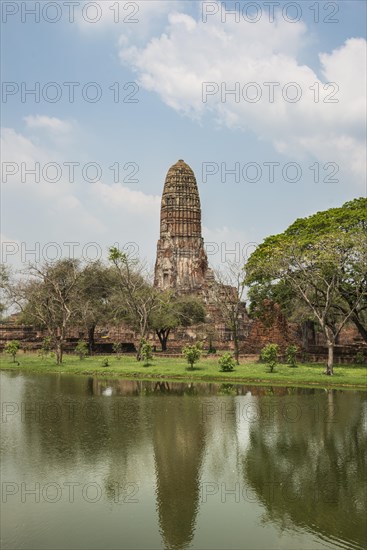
(182, 266)
(181, 263)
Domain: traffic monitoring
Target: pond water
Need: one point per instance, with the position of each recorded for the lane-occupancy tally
(123, 464)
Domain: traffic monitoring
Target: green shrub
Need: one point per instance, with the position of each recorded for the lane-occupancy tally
(46, 347)
(117, 348)
(146, 352)
(227, 362)
(192, 353)
(269, 354)
(291, 355)
(105, 362)
(81, 349)
(12, 347)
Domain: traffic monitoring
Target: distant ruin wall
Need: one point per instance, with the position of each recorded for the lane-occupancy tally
(256, 334)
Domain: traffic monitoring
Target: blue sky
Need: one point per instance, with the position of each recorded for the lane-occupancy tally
(167, 56)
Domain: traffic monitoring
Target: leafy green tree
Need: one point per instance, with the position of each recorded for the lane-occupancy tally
(269, 354)
(96, 286)
(12, 347)
(135, 298)
(49, 298)
(146, 352)
(291, 355)
(227, 362)
(117, 348)
(175, 311)
(81, 349)
(164, 318)
(46, 347)
(322, 260)
(277, 292)
(350, 219)
(192, 353)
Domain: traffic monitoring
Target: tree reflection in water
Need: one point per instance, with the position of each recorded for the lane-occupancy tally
(308, 474)
(311, 473)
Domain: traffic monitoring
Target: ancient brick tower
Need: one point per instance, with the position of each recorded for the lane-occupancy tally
(181, 264)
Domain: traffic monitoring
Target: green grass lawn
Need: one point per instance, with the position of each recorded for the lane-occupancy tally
(306, 374)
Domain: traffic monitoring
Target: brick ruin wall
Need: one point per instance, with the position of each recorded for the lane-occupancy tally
(255, 334)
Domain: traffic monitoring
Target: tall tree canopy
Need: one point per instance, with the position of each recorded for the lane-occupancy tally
(135, 298)
(175, 311)
(96, 287)
(51, 298)
(319, 263)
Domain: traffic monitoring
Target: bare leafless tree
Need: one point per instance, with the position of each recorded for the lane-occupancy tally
(227, 293)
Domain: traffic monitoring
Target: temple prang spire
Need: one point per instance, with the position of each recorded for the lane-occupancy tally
(181, 264)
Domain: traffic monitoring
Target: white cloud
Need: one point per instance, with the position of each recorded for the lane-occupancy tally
(118, 196)
(17, 148)
(189, 53)
(49, 123)
(37, 213)
(28, 163)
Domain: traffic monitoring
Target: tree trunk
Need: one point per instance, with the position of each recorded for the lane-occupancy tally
(210, 350)
(361, 329)
(236, 353)
(330, 360)
(138, 354)
(163, 337)
(236, 346)
(91, 341)
(308, 334)
(59, 352)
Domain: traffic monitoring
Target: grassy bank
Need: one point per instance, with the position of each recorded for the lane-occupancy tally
(306, 374)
